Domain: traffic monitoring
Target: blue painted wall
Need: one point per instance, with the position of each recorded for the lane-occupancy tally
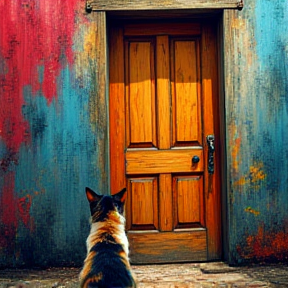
(256, 82)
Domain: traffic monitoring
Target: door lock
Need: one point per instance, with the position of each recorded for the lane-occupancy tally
(211, 149)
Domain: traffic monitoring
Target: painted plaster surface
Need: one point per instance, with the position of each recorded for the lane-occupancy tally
(48, 146)
(257, 118)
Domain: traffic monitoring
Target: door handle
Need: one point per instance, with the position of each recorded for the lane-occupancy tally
(211, 149)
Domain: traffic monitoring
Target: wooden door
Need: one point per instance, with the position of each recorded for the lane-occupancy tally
(163, 104)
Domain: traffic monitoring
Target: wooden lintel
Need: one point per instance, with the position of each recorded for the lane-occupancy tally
(125, 5)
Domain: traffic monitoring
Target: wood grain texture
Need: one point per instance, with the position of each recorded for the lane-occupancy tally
(163, 92)
(172, 201)
(98, 103)
(210, 94)
(141, 119)
(186, 97)
(163, 161)
(165, 202)
(103, 5)
(167, 247)
(189, 191)
(116, 111)
(144, 202)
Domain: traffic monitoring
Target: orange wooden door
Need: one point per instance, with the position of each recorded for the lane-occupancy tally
(163, 104)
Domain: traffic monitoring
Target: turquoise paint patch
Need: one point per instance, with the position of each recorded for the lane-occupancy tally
(54, 170)
(40, 70)
(271, 31)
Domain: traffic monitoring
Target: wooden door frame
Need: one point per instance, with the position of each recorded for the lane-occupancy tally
(102, 95)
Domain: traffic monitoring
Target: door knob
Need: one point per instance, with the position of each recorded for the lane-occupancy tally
(195, 159)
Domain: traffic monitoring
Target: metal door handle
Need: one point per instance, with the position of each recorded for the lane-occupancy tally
(211, 149)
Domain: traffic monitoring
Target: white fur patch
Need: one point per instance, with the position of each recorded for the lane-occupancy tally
(118, 233)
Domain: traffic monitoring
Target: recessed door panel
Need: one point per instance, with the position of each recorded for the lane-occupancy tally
(185, 84)
(189, 201)
(141, 125)
(143, 197)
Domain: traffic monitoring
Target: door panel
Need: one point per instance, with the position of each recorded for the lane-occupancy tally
(163, 161)
(163, 104)
(168, 247)
(185, 92)
(189, 208)
(142, 198)
(141, 124)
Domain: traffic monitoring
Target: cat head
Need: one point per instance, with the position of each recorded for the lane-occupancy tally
(101, 205)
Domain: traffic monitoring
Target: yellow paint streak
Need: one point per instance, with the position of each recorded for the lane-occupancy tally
(257, 173)
(250, 210)
(85, 55)
(238, 23)
(235, 153)
(235, 143)
(253, 177)
(90, 42)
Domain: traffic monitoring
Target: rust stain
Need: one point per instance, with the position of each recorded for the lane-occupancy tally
(257, 173)
(235, 153)
(235, 144)
(24, 205)
(250, 210)
(253, 177)
(265, 245)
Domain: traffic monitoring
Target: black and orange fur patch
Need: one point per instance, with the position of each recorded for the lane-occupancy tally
(107, 263)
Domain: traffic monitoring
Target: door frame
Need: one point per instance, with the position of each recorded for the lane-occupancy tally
(102, 20)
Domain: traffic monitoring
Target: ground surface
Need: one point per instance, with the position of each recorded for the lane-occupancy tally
(207, 275)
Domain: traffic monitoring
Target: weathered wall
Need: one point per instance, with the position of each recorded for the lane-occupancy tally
(53, 133)
(256, 81)
(50, 146)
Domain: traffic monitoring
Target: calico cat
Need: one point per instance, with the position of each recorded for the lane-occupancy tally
(107, 263)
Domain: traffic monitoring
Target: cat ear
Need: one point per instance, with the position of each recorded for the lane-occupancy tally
(120, 196)
(92, 196)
